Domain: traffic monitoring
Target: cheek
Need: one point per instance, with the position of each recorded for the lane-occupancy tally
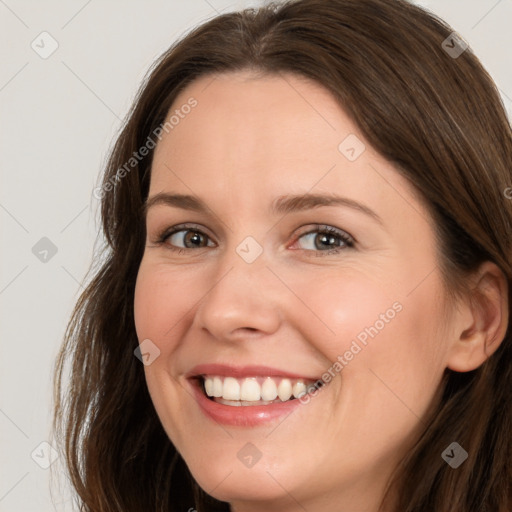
(380, 341)
(159, 302)
(345, 312)
(401, 361)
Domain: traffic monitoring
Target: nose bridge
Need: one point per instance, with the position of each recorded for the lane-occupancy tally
(242, 294)
(243, 265)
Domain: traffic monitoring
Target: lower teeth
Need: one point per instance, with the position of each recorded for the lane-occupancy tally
(237, 403)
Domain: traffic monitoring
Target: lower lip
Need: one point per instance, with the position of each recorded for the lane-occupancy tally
(242, 416)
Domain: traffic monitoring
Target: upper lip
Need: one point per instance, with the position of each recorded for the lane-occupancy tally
(226, 370)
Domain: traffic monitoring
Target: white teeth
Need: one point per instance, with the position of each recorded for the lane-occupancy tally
(269, 389)
(299, 388)
(248, 391)
(231, 389)
(284, 391)
(208, 387)
(232, 403)
(217, 387)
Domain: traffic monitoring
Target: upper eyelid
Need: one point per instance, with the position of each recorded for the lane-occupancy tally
(187, 227)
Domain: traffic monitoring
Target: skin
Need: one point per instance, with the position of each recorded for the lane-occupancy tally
(296, 307)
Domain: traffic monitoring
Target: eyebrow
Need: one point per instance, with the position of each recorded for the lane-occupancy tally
(281, 205)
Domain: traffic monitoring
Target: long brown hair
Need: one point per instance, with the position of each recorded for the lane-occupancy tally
(436, 115)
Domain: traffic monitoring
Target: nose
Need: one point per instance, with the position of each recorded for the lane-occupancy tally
(243, 301)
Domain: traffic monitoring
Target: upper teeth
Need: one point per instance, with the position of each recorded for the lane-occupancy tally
(250, 389)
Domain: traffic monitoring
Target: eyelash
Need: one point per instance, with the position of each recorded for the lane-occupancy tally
(320, 229)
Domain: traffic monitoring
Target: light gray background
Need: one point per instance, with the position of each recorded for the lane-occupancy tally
(58, 119)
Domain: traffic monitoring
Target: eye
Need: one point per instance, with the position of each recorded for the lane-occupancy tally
(323, 239)
(326, 239)
(189, 236)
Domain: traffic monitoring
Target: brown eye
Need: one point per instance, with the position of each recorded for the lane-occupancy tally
(190, 239)
(183, 237)
(326, 239)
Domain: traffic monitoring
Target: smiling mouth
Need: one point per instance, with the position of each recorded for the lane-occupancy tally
(252, 391)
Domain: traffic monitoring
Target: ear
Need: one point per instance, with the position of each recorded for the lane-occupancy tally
(481, 322)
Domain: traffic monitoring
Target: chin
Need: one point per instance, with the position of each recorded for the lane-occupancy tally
(242, 484)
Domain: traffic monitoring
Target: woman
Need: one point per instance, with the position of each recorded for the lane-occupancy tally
(304, 301)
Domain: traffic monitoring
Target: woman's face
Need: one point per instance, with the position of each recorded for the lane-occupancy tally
(254, 297)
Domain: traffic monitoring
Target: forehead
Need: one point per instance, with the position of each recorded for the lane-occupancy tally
(240, 115)
(259, 137)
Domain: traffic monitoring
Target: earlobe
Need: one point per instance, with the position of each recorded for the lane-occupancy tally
(481, 324)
